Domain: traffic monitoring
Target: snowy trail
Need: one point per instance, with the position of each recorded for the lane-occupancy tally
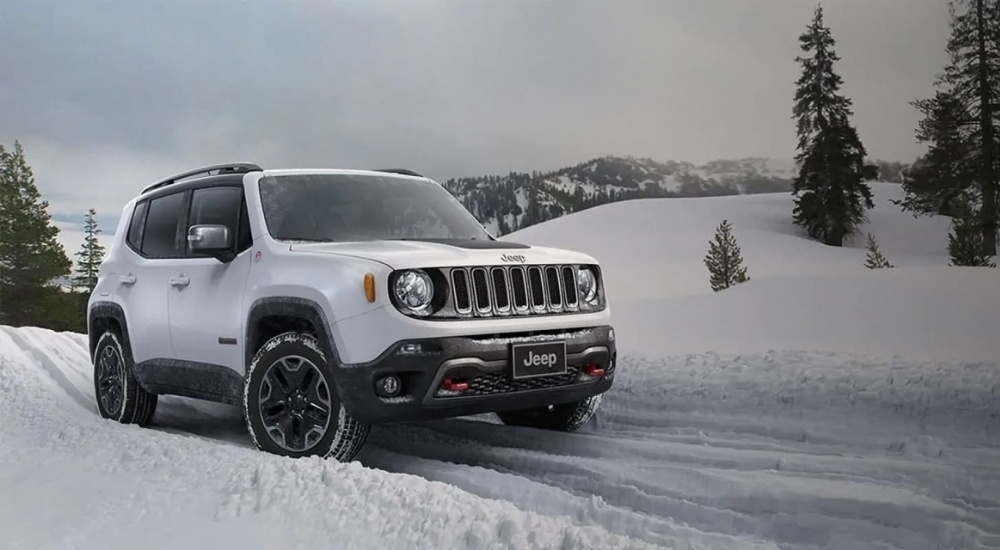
(796, 486)
(777, 450)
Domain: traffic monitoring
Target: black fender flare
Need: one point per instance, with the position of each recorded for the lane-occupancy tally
(290, 307)
(106, 310)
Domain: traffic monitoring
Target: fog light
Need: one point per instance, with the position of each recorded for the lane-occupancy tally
(389, 386)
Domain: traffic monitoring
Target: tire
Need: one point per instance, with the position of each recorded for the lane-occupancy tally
(118, 394)
(295, 424)
(568, 417)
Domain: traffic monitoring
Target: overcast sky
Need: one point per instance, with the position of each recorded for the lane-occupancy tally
(107, 96)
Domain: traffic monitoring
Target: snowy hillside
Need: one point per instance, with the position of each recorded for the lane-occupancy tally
(517, 201)
(819, 405)
(800, 294)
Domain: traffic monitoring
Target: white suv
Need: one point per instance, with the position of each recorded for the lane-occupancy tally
(324, 301)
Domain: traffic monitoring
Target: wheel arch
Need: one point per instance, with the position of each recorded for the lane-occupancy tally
(270, 316)
(103, 316)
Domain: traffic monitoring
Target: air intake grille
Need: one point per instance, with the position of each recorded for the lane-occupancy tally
(519, 288)
(492, 384)
(515, 290)
(460, 282)
(480, 284)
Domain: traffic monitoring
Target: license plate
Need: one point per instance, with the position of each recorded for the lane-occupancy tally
(542, 359)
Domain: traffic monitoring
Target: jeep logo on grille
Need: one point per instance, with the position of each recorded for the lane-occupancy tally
(533, 360)
(513, 258)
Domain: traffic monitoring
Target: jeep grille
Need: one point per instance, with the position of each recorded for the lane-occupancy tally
(513, 290)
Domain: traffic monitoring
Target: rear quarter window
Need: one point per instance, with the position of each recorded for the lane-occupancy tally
(136, 225)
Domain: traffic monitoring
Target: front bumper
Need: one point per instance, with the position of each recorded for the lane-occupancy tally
(483, 363)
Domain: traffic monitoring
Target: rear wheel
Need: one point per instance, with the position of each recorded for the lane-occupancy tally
(119, 395)
(291, 403)
(567, 417)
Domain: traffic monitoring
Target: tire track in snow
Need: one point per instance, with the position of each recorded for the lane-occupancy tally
(710, 500)
(51, 366)
(822, 453)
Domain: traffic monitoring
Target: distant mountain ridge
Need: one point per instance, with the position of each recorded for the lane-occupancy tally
(507, 203)
(517, 200)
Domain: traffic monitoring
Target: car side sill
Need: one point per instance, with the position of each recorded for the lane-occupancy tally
(190, 379)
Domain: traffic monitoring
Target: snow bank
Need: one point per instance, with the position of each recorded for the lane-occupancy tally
(71, 479)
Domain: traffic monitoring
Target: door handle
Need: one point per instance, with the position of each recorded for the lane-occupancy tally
(181, 281)
(127, 280)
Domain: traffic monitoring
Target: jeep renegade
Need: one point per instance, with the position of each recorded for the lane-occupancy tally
(322, 302)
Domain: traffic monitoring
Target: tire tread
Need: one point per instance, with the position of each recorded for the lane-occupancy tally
(350, 435)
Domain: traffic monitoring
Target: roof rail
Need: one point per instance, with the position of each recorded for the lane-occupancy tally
(403, 171)
(227, 168)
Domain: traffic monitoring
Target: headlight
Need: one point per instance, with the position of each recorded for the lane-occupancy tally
(414, 290)
(586, 283)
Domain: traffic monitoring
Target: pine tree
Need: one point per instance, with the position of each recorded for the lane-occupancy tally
(875, 259)
(961, 123)
(965, 241)
(31, 257)
(90, 255)
(831, 196)
(724, 259)
(944, 178)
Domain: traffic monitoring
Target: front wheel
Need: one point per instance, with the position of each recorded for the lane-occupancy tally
(568, 417)
(291, 404)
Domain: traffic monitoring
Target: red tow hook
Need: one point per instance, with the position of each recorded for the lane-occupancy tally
(452, 385)
(593, 370)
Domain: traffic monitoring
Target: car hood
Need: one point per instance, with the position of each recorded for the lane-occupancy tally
(406, 254)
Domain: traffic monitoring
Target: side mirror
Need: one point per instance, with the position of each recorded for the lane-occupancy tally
(211, 240)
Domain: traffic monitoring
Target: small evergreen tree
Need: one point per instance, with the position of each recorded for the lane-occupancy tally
(965, 240)
(90, 255)
(831, 196)
(724, 259)
(31, 257)
(875, 259)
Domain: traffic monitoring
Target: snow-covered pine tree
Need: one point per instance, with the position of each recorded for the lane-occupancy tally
(965, 240)
(831, 196)
(875, 259)
(724, 259)
(961, 124)
(943, 179)
(90, 255)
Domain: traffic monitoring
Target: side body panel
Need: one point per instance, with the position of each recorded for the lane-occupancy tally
(206, 310)
(206, 297)
(139, 288)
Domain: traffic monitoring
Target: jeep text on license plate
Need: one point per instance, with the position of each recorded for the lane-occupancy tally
(542, 359)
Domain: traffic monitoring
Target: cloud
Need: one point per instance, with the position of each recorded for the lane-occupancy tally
(110, 95)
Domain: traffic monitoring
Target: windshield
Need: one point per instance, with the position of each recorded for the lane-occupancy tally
(348, 207)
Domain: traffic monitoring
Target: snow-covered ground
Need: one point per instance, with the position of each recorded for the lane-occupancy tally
(820, 405)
